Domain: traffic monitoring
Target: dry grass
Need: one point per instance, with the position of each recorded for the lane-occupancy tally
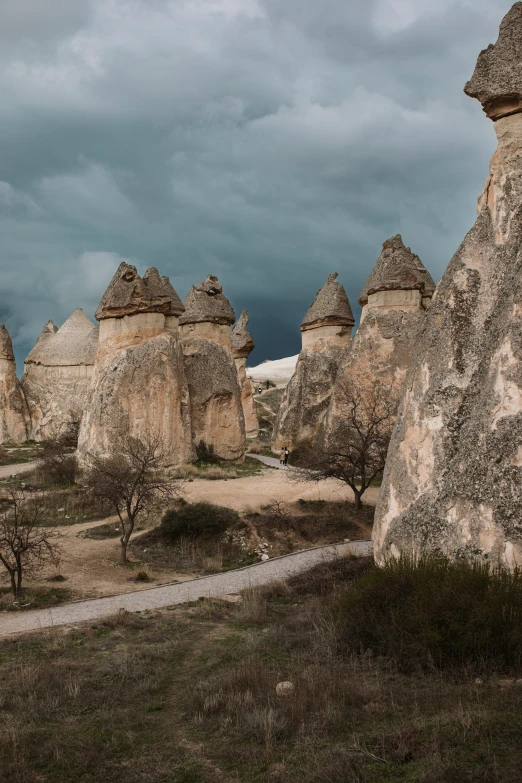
(220, 471)
(189, 696)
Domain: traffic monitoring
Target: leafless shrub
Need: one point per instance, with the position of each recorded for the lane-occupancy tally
(131, 482)
(25, 546)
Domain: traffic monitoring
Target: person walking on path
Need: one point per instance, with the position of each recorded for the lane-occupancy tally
(282, 456)
(287, 454)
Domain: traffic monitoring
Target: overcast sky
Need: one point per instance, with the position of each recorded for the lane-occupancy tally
(269, 142)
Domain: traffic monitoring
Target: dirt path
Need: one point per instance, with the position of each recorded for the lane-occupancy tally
(228, 583)
(10, 470)
(92, 569)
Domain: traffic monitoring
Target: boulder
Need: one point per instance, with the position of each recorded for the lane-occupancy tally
(14, 417)
(453, 481)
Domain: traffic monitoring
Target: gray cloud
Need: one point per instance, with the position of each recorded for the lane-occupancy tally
(267, 141)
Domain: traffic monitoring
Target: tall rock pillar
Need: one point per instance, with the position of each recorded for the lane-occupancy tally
(453, 482)
(326, 330)
(394, 299)
(216, 410)
(139, 386)
(13, 409)
(242, 346)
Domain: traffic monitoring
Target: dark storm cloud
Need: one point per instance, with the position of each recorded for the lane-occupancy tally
(267, 141)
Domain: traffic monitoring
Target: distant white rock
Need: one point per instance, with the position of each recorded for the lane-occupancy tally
(280, 370)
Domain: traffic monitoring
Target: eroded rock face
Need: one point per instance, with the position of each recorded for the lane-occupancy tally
(58, 373)
(139, 385)
(453, 482)
(242, 345)
(13, 410)
(394, 299)
(326, 330)
(216, 410)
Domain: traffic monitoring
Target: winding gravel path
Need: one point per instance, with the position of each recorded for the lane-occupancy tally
(21, 467)
(228, 583)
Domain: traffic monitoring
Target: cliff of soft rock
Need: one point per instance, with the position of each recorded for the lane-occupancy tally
(453, 482)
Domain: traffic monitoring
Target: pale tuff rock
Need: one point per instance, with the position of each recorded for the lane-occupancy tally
(13, 409)
(129, 294)
(242, 345)
(394, 299)
(58, 373)
(139, 385)
(216, 409)
(326, 331)
(453, 481)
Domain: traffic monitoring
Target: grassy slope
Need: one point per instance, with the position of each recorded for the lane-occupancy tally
(188, 696)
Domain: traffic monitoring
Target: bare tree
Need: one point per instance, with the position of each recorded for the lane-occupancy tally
(25, 546)
(131, 482)
(355, 452)
(58, 463)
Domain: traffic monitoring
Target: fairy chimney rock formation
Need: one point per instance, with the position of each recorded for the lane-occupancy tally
(242, 346)
(453, 482)
(398, 280)
(394, 299)
(217, 417)
(58, 373)
(13, 410)
(326, 331)
(139, 385)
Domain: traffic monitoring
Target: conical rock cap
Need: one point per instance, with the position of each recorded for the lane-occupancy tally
(397, 269)
(75, 343)
(48, 331)
(205, 302)
(497, 80)
(241, 340)
(331, 306)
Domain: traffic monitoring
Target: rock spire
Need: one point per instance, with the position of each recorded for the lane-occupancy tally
(397, 269)
(242, 346)
(453, 481)
(130, 294)
(325, 331)
(205, 303)
(13, 410)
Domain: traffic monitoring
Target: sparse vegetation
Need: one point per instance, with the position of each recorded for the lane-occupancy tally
(131, 482)
(25, 546)
(191, 520)
(200, 701)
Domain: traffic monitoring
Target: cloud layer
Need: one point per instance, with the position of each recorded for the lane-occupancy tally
(269, 142)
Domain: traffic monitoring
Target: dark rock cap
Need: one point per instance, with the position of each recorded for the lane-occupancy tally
(497, 80)
(397, 269)
(205, 302)
(6, 346)
(241, 340)
(129, 294)
(331, 306)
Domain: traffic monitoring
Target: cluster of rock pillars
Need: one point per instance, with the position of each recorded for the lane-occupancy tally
(453, 480)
